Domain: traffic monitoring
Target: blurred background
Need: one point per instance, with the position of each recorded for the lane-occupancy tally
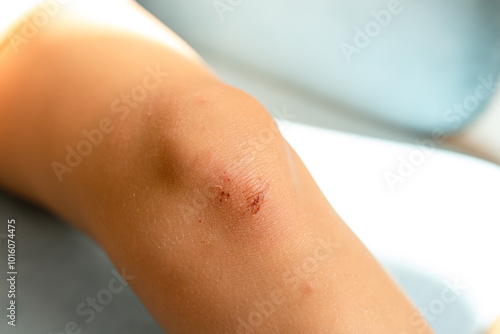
(384, 68)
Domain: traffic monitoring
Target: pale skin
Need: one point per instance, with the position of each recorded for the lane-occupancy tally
(495, 329)
(192, 189)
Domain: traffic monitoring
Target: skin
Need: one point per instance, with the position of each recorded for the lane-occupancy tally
(194, 190)
(495, 329)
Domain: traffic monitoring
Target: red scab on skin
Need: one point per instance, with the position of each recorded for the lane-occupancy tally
(223, 195)
(202, 100)
(256, 202)
(246, 196)
(308, 288)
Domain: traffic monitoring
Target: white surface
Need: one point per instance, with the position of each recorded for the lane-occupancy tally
(443, 221)
(10, 13)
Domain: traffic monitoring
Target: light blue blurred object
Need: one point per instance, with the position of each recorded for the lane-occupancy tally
(423, 64)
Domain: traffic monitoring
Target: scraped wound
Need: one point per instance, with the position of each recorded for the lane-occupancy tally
(256, 202)
(248, 195)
